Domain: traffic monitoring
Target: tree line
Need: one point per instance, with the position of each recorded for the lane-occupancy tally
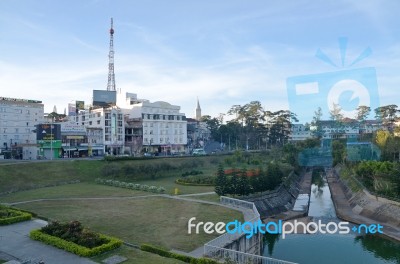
(252, 127)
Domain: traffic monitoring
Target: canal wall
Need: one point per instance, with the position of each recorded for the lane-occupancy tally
(362, 207)
(279, 200)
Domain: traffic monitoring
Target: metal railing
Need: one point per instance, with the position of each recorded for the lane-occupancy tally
(216, 248)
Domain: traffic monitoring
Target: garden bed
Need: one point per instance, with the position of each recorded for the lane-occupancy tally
(73, 237)
(10, 216)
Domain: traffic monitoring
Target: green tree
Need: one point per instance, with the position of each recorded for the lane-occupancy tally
(338, 151)
(316, 123)
(388, 115)
(234, 182)
(244, 187)
(274, 176)
(221, 182)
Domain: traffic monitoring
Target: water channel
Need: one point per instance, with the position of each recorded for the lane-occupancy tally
(328, 248)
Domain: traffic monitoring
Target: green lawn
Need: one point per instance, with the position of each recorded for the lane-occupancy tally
(154, 220)
(136, 256)
(83, 189)
(40, 174)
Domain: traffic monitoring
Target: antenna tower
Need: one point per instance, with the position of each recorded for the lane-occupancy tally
(111, 75)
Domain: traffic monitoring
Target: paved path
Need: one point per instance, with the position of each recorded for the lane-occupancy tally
(15, 244)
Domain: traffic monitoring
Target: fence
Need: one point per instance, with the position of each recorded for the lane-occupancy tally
(216, 248)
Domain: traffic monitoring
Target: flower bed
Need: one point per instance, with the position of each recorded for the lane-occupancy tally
(133, 186)
(10, 216)
(74, 238)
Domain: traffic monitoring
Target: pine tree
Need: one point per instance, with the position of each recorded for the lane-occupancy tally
(221, 183)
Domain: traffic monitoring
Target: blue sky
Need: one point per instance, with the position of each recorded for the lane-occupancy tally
(224, 52)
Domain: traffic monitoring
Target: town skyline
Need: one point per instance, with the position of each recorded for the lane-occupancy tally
(222, 54)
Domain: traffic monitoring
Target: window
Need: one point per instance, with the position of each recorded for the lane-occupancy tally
(98, 122)
(120, 123)
(148, 116)
(119, 116)
(108, 123)
(90, 123)
(107, 137)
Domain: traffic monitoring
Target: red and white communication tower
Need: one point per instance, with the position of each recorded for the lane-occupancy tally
(111, 75)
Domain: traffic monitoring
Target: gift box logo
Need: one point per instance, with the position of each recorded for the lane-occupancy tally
(347, 88)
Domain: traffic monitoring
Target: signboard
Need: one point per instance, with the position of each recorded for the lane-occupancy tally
(75, 137)
(19, 100)
(104, 98)
(50, 143)
(80, 105)
(72, 127)
(48, 132)
(71, 109)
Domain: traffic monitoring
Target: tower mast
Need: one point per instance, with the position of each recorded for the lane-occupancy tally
(111, 75)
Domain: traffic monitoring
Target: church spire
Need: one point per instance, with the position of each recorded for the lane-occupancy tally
(198, 110)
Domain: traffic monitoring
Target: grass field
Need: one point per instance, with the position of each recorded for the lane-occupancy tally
(159, 221)
(83, 189)
(155, 220)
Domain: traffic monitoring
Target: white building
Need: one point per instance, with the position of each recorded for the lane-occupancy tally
(299, 132)
(108, 122)
(164, 127)
(18, 118)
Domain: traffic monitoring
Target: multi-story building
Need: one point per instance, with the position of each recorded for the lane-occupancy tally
(18, 118)
(133, 135)
(164, 127)
(110, 122)
(299, 132)
(198, 134)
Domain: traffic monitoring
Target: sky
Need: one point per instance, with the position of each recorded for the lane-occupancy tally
(223, 52)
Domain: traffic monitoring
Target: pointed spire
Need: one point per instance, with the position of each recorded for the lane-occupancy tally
(198, 110)
(198, 104)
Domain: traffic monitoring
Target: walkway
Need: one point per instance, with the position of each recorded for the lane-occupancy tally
(15, 244)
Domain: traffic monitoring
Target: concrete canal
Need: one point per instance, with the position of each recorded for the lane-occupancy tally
(330, 248)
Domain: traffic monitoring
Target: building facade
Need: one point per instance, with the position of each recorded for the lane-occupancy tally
(18, 120)
(109, 123)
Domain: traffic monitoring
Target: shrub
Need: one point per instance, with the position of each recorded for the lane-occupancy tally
(132, 186)
(10, 216)
(110, 243)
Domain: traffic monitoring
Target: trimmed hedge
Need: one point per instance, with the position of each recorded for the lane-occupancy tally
(19, 217)
(168, 254)
(113, 243)
(132, 186)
